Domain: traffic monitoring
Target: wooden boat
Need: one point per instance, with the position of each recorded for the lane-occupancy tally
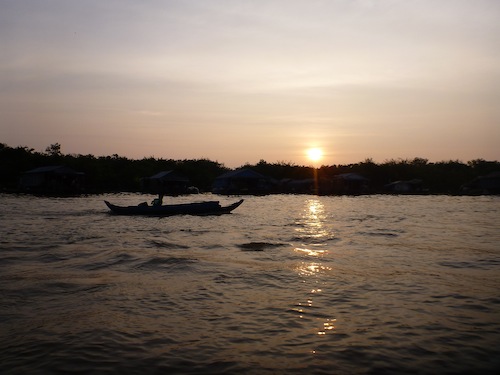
(198, 208)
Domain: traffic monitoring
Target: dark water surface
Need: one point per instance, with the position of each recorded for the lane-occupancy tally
(284, 284)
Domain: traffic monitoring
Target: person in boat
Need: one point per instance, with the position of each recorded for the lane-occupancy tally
(158, 201)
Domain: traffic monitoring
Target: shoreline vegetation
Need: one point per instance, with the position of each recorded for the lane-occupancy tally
(105, 174)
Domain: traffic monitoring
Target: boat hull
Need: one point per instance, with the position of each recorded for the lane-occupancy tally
(199, 208)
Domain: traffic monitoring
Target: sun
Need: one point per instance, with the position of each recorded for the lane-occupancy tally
(314, 154)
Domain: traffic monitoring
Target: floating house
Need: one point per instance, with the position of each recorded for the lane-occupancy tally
(294, 186)
(166, 182)
(242, 181)
(52, 180)
(488, 184)
(349, 183)
(405, 187)
(318, 186)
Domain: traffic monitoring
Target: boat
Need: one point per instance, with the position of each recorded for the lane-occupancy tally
(197, 208)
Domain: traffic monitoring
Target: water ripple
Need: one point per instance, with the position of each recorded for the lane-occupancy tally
(286, 284)
(259, 246)
(166, 264)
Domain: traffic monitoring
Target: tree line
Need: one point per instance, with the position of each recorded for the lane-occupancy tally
(117, 173)
(104, 173)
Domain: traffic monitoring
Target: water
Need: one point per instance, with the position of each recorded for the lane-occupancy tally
(284, 284)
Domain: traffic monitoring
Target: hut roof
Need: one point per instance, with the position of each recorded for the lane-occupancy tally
(351, 177)
(168, 176)
(242, 173)
(60, 169)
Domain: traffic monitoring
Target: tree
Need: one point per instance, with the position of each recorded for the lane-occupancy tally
(54, 150)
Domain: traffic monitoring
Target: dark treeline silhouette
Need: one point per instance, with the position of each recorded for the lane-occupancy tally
(445, 177)
(104, 173)
(116, 173)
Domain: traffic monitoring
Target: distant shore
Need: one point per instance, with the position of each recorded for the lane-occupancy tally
(119, 174)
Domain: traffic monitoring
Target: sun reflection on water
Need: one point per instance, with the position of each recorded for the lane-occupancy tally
(315, 235)
(314, 215)
(310, 269)
(311, 226)
(311, 252)
(328, 327)
(307, 310)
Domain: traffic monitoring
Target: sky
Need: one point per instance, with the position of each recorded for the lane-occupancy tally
(239, 81)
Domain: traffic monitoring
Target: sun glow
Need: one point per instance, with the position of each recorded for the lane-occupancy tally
(314, 154)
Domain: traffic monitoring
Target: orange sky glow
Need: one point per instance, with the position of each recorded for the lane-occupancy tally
(238, 81)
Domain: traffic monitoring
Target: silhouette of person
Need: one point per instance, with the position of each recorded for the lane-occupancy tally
(158, 201)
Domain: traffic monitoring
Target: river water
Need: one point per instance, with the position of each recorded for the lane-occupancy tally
(286, 284)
